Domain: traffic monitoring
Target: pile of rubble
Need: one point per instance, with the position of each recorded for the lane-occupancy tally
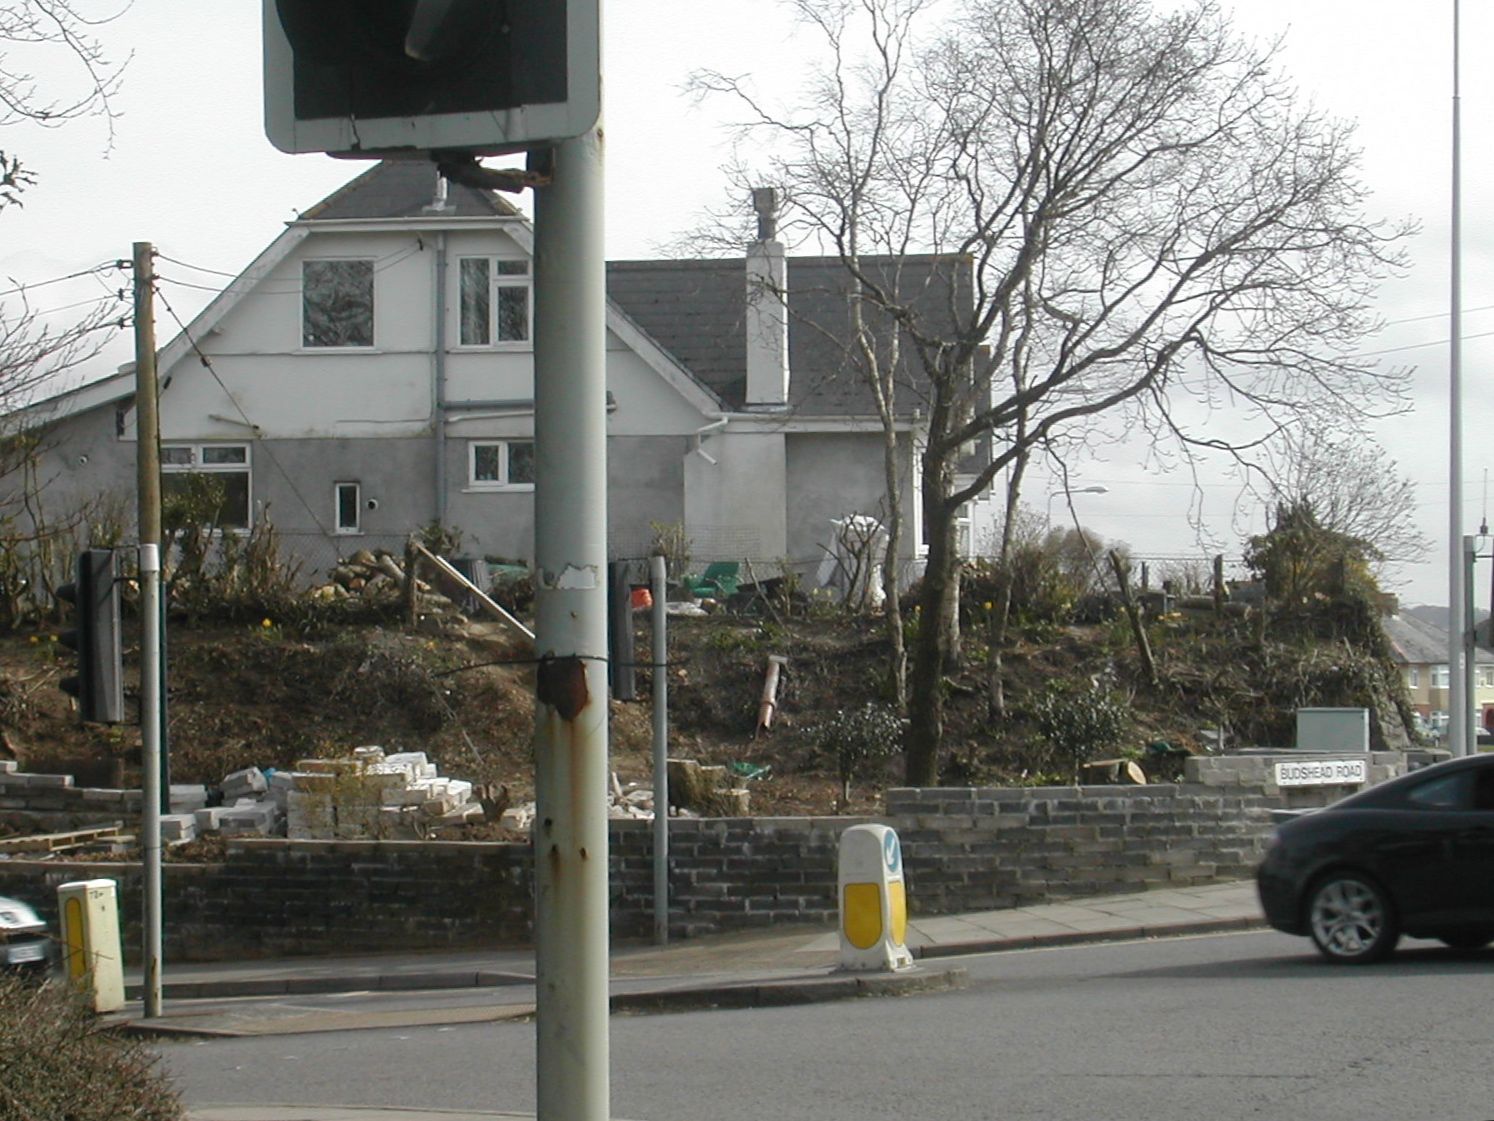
(366, 795)
(378, 576)
(695, 790)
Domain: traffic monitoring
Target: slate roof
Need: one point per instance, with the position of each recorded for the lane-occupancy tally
(1418, 643)
(695, 309)
(403, 189)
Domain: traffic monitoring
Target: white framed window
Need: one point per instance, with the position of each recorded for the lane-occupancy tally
(1486, 677)
(1413, 677)
(337, 303)
(500, 464)
(208, 482)
(347, 507)
(1439, 677)
(494, 301)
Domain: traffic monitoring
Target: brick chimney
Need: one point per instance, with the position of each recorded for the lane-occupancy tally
(767, 311)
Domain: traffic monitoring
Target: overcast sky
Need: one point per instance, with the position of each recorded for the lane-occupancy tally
(190, 170)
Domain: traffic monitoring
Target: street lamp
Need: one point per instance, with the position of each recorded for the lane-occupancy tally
(1096, 489)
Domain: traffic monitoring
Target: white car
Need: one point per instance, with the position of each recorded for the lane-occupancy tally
(24, 941)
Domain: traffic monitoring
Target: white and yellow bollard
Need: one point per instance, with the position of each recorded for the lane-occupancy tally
(873, 902)
(91, 955)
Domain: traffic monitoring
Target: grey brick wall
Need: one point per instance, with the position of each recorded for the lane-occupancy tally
(971, 849)
(964, 849)
(275, 897)
(728, 873)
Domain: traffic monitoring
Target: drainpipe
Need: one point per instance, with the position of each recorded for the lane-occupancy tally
(439, 311)
(702, 432)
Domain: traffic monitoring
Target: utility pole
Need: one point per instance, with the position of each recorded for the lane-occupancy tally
(570, 543)
(659, 576)
(148, 488)
(1458, 702)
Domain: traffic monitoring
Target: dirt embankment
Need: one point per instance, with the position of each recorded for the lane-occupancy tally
(252, 695)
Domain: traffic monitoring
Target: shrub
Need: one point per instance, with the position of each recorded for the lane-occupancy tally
(1079, 723)
(61, 1064)
(854, 737)
(672, 543)
(227, 576)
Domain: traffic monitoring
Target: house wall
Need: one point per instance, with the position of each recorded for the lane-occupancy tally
(80, 461)
(314, 416)
(292, 482)
(645, 485)
(1430, 701)
(735, 508)
(265, 377)
(831, 476)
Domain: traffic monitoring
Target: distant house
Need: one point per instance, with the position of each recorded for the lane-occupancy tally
(1420, 649)
(371, 372)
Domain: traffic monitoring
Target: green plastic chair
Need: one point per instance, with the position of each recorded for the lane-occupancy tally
(718, 581)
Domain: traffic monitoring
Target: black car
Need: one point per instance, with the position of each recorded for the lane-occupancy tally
(1414, 856)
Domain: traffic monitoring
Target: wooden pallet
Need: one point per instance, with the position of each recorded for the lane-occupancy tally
(59, 842)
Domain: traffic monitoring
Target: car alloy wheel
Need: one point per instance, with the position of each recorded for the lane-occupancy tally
(1351, 920)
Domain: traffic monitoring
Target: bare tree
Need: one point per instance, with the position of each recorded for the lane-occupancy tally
(1354, 490)
(1159, 234)
(32, 349)
(34, 28)
(37, 347)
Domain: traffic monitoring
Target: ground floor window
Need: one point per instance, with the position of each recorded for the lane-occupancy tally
(206, 484)
(347, 507)
(500, 464)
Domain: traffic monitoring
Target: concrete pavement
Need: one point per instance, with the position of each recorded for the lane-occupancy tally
(783, 966)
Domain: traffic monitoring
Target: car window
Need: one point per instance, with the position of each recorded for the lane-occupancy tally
(1449, 792)
(1483, 789)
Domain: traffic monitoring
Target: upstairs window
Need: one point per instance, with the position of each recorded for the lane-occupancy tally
(495, 303)
(500, 464)
(337, 303)
(205, 484)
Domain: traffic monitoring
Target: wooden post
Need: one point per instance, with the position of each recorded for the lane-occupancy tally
(1219, 596)
(1133, 613)
(412, 577)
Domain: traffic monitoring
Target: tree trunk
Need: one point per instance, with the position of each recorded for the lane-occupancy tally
(1002, 609)
(1133, 613)
(926, 677)
(897, 670)
(1001, 612)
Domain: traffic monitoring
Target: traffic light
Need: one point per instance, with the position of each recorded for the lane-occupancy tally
(409, 77)
(98, 684)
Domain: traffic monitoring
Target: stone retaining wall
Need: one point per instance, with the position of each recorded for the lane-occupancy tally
(271, 898)
(964, 849)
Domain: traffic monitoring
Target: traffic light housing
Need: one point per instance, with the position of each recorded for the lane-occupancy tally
(371, 78)
(98, 683)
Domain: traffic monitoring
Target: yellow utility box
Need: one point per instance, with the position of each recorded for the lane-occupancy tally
(91, 956)
(873, 902)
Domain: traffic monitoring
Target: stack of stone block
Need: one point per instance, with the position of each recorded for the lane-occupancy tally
(364, 795)
(369, 794)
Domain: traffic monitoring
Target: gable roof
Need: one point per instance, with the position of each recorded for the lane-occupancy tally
(1415, 642)
(406, 189)
(685, 317)
(696, 310)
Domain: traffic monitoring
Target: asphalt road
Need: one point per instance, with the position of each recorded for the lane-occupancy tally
(1226, 1027)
